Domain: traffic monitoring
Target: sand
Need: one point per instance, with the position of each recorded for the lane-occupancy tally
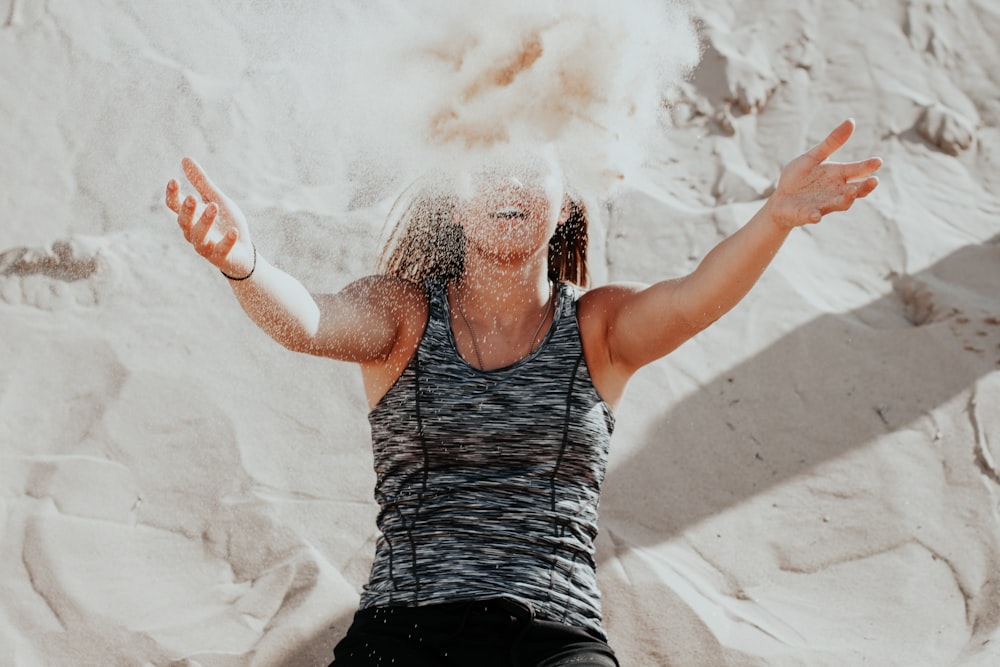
(815, 480)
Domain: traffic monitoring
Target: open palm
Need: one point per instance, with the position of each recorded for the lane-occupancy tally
(221, 234)
(810, 187)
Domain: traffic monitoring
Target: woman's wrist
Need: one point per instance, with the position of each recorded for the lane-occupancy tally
(773, 212)
(253, 268)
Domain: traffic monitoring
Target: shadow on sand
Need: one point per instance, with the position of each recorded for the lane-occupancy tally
(820, 391)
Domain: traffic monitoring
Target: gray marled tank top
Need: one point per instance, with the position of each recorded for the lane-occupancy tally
(488, 481)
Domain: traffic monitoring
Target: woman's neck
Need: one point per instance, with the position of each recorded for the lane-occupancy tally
(500, 311)
(504, 292)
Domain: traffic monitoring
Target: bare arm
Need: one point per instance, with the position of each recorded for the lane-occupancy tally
(360, 323)
(644, 324)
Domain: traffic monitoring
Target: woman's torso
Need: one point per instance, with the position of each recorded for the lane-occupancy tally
(488, 481)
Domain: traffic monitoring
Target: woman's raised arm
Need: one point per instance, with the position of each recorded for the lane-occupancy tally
(645, 323)
(360, 323)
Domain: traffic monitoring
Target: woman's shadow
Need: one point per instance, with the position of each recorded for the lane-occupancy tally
(832, 385)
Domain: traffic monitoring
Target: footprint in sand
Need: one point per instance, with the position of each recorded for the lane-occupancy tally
(919, 304)
(947, 129)
(977, 330)
(735, 82)
(12, 15)
(48, 277)
(979, 335)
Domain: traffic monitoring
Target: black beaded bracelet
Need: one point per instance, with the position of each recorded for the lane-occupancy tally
(252, 269)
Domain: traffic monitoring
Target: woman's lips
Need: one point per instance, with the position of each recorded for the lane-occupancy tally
(510, 213)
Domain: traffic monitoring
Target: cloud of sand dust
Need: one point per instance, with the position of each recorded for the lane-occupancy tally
(400, 87)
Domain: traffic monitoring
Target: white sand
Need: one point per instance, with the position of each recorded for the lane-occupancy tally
(814, 481)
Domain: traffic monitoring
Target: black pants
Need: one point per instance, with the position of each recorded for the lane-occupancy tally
(493, 633)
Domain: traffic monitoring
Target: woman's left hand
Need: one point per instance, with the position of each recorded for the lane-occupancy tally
(810, 187)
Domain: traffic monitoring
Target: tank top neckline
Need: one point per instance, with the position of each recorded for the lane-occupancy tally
(559, 294)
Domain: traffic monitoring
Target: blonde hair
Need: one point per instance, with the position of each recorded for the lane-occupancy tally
(425, 242)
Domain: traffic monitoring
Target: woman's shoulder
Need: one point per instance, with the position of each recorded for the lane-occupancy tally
(603, 299)
(596, 312)
(391, 294)
(385, 284)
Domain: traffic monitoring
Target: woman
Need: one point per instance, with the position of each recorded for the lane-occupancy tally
(492, 377)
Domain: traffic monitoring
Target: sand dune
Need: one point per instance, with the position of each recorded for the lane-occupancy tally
(813, 481)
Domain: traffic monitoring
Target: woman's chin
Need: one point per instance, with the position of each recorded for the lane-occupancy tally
(505, 247)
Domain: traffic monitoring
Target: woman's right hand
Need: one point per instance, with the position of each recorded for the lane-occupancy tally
(221, 234)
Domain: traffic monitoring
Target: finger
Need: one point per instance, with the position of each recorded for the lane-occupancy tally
(853, 171)
(833, 141)
(200, 230)
(867, 186)
(173, 195)
(186, 215)
(223, 247)
(200, 180)
(853, 192)
(205, 249)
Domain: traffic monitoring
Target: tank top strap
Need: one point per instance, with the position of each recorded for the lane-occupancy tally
(569, 294)
(437, 295)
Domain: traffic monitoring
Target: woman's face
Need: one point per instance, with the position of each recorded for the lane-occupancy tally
(511, 207)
